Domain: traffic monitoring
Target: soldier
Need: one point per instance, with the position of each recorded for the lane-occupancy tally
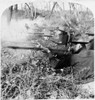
(62, 46)
(83, 65)
(63, 36)
(62, 52)
(78, 46)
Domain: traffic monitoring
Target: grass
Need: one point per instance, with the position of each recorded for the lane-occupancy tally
(33, 72)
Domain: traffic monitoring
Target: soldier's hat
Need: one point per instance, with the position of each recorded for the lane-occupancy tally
(90, 34)
(80, 41)
(63, 30)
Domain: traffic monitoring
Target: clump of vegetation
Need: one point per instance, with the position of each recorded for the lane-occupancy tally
(35, 74)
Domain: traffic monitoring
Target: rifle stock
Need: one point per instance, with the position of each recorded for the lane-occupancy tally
(28, 46)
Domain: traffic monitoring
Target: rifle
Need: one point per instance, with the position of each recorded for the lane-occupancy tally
(27, 46)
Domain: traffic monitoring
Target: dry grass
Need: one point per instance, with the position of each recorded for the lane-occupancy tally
(32, 72)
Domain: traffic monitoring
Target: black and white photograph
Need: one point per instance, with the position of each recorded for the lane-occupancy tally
(47, 50)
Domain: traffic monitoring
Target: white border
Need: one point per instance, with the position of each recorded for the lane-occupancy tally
(6, 3)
